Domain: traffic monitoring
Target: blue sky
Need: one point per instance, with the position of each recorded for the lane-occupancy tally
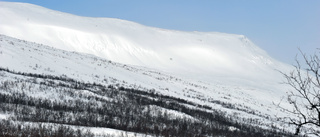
(277, 26)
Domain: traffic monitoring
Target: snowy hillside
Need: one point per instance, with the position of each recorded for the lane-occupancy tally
(200, 55)
(172, 73)
(240, 102)
(24, 56)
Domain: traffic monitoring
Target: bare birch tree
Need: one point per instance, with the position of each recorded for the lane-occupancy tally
(305, 95)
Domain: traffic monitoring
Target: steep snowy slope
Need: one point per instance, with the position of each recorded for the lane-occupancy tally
(205, 56)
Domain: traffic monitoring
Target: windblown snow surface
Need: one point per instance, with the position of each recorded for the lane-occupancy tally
(196, 66)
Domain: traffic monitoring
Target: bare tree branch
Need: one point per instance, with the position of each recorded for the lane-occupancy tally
(305, 96)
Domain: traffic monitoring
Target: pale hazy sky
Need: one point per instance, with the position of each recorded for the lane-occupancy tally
(277, 26)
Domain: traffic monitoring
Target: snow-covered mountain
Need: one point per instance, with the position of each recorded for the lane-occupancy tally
(26, 60)
(28, 57)
(203, 55)
(226, 72)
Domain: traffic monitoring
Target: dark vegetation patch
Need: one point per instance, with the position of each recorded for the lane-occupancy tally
(120, 108)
